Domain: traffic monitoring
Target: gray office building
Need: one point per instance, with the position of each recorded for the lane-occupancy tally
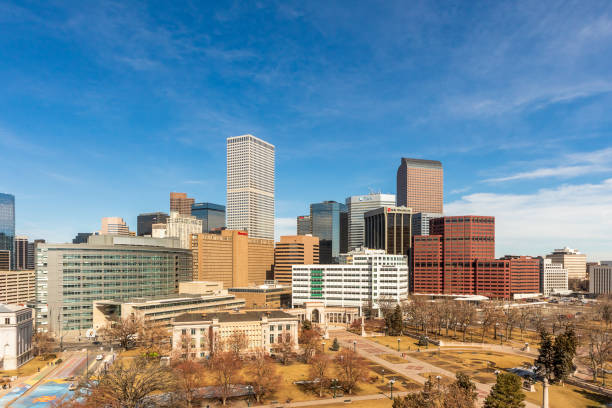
(81, 237)
(420, 222)
(304, 225)
(7, 226)
(330, 224)
(212, 216)
(144, 222)
(69, 277)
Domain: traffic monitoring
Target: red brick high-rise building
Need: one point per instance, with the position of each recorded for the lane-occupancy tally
(464, 239)
(458, 258)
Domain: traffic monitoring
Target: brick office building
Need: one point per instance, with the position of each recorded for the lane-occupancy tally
(464, 239)
(458, 258)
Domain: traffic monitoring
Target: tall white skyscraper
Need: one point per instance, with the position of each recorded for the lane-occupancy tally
(357, 206)
(250, 186)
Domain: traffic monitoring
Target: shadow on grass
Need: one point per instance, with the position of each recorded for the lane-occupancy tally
(596, 398)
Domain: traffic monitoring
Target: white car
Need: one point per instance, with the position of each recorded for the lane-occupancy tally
(99, 357)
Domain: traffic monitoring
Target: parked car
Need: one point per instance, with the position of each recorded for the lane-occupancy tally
(99, 357)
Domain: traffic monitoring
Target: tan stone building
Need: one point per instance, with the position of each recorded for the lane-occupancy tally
(294, 250)
(17, 287)
(267, 296)
(194, 333)
(572, 260)
(232, 258)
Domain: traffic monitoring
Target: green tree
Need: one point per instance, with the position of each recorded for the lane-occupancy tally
(306, 325)
(430, 397)
(395, 321)
(545, 363)
(564, 353)
(506, 393)
(465, 384)
(335, 345)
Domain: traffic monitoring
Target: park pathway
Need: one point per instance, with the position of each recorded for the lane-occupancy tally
(339, 400)
(410, 367)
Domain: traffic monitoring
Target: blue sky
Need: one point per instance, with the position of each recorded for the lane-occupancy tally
(106, 107)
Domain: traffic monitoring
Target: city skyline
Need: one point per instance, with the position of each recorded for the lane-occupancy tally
(521, 126)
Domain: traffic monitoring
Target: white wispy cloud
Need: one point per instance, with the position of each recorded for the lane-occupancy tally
(575, 215)
(577, 164)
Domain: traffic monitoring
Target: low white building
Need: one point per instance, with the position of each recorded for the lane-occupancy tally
(16, 330)
(600, 278)
(364, 276)
(553, 278)
(194, 334)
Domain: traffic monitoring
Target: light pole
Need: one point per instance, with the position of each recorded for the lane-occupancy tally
(383, 375)
(323, 346)
(250, 393)
(398, 343)
(355, 346)
(391, 382)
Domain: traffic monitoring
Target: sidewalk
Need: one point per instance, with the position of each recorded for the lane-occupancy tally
(338, 400)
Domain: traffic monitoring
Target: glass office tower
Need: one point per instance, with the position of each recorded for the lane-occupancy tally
(7, 226)
(329, 224)
(212, 215)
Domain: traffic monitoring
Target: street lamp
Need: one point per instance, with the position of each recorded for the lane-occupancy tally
(383, 375)
(355, 346)
(398, 342)
(250, 393)
(391, 382)
(323, 346)
(334, 385)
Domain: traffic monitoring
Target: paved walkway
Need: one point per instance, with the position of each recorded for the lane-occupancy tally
(338, 400)
(410, 368)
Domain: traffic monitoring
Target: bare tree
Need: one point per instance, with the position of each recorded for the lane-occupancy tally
(225, 366)
(123, 331)
(465, 315)
(488, 318)
(130, 384)
(285, 348)
(42, 344)
(524, 317)
(386, 305)
(599, 350)
(510, 319)
(352, 369)
(320, 365)
(188, 375)
(154, 337)
(309, 341)
(604, 309)
(237, 342)
(265, 378)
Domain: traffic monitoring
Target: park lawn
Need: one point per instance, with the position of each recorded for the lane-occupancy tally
(476, 364)
(298, 371)
(567, 396)
(29, 368)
